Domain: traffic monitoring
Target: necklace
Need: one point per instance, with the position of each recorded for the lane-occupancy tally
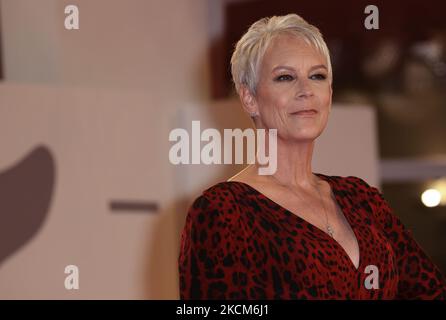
(328, 227)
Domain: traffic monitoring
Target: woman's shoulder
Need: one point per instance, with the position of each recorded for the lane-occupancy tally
(222, 196)
(227, 191)
(358, 190)
(365, 195)
(216, 209)
(354, 184)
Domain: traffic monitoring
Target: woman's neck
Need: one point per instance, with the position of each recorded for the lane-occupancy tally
(294, 164)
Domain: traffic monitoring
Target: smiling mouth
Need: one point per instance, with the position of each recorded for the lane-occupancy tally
(309, 112)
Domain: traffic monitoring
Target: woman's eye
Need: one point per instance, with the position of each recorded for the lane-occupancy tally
(285, 77)
(318, 76)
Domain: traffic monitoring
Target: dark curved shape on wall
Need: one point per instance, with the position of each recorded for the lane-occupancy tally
(26, 190)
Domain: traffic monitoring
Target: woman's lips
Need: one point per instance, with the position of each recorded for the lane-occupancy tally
(310, 113)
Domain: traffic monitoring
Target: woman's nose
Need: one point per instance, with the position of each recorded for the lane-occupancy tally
(303, 89)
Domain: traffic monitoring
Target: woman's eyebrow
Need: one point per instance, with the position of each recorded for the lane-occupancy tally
(318, 66)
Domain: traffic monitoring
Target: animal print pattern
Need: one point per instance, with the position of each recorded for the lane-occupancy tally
(239, 244)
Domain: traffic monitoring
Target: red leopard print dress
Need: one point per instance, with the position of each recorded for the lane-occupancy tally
(239, 244)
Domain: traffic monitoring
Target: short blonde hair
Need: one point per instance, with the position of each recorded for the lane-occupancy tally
(251, 48)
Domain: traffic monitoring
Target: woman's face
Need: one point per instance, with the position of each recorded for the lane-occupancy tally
(293, 76)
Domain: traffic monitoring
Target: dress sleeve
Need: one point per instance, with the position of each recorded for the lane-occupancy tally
(419, 277)
(211, 249)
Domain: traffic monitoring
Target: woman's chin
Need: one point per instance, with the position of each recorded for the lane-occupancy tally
(302, 137)
(304, 134)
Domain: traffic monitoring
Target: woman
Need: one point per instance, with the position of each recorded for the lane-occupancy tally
(296, 234)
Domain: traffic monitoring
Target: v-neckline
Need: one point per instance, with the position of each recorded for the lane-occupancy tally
(323, 233)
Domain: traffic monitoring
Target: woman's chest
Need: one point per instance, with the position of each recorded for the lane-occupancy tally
(291, 253)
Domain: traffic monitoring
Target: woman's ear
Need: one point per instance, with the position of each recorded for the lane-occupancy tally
(249, 102)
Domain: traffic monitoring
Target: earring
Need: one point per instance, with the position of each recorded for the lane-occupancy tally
(253, 114)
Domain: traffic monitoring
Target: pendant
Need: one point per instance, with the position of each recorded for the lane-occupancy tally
(330, 231)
